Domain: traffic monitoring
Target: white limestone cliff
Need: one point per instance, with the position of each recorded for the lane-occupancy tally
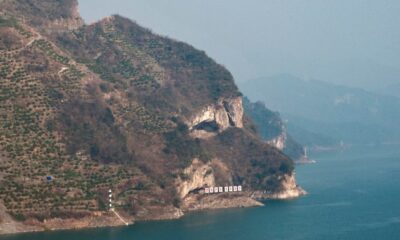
(217, 117)
(289, 189)
(280, 141)
(197, 175)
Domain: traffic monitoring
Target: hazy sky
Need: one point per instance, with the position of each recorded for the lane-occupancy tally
(352, 42)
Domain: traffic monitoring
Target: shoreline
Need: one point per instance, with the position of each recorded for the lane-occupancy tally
(191, 204)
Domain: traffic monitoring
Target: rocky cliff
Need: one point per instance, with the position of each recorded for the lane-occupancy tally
(217, 117)
(195, 177)
(88, 108)
(273, 130)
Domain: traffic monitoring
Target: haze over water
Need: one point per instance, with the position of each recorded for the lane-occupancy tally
(353, 194)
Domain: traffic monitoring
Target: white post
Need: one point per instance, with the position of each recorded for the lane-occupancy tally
(110, 199)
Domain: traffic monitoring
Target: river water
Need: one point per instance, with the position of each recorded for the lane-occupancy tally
(353, 194)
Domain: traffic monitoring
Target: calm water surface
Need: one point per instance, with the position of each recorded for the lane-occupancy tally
(353, 194)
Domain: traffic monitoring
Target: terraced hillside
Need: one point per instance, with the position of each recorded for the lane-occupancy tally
(36, 80)
(87, 108)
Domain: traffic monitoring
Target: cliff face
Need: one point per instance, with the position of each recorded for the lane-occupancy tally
(216, 118)
(273, 130)
(195, 177)
(87, 108)
(279, 141)
(290, 189)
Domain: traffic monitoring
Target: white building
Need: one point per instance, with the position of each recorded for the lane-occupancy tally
(216, 189)
(208, 190)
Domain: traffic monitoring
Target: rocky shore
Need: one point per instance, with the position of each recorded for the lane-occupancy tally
(98, 219)
(201, 174)
(219, 201)
(195, 202)
(290, 190)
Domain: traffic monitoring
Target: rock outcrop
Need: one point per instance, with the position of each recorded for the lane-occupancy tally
(66, 22)
(216, 118)
(198, 175)
(273, 130)
(289, 189)
(219, 201)
(280, 141)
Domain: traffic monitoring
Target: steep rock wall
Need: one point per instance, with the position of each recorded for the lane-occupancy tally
(217, 117)
(289, 189)
(280, 141)
(199, 175)
(196, 176)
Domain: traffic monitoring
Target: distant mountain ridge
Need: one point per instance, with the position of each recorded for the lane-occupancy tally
(391, 90)
(341, 113)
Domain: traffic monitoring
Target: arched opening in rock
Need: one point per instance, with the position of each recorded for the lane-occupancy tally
(195, 191)
(208, 126)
